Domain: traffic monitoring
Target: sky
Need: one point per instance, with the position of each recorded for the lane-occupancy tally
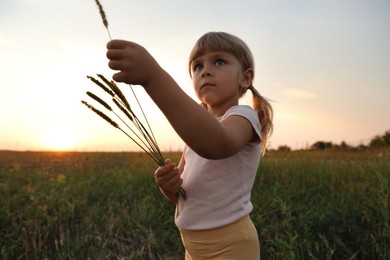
(325, 65)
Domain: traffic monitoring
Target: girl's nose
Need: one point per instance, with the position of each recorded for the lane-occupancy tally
(206, 72)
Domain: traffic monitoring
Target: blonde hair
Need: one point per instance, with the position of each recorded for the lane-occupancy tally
(221, 41)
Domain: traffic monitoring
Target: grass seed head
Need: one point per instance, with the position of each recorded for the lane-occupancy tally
(102, 13)
(97, 82)
(116, 90)
(104, 18)
(101, 114)
(99, 100)
(119, 105)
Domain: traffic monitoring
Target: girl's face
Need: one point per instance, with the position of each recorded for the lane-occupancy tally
(217, 79)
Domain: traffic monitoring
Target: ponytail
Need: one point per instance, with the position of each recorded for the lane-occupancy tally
(265, 113)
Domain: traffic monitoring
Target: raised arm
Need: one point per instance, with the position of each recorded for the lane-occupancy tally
(195, 125)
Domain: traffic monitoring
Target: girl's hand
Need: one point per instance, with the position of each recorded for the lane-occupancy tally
(135, 64)
(168, 178)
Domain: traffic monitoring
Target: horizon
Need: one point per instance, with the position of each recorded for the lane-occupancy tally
(308, 147)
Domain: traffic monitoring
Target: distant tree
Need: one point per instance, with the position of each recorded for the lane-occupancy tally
(344, 146)
(377, 142)
(284, 148)
(321, 145)
(361, 147)
(386, 137)
(380, 141)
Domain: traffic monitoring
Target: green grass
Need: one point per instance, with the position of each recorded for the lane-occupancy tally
(307, 205)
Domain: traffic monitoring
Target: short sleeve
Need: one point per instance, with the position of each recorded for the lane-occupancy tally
(246, 112)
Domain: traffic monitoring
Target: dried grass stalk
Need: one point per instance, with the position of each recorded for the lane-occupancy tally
(114, 124)
(142, 136)
(140, 133)
(103, 15)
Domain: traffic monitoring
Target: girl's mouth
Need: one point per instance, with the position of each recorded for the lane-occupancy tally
(207, 85)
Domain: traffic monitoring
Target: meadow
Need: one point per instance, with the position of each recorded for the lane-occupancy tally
(75, 205)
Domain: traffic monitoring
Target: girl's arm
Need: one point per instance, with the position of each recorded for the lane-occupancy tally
(200, 130)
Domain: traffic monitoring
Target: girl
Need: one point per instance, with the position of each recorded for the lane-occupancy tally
(224, 141)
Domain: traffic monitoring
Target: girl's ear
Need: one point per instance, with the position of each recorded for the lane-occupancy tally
(247, 78)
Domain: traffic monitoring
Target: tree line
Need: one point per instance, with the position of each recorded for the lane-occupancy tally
(377, 142)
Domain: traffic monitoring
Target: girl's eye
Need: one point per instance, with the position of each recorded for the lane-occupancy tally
(197, 67)
(219, 62)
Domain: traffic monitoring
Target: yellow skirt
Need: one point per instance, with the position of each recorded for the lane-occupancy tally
(238, 240)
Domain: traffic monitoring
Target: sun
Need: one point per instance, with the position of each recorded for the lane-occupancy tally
(60, 139)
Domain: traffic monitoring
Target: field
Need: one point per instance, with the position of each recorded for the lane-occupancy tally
(307, 205)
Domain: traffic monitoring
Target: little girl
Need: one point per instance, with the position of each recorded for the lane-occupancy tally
(224, 141)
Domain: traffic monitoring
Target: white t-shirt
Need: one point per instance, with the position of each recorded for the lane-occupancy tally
(219, 191)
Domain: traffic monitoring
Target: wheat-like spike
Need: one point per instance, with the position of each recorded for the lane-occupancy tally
(103, 15)
(98, 99)
(123, 109)
(116, 90)
(101, 114)
(97, 82)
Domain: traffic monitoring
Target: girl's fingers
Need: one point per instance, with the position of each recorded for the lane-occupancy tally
(164, 170)
(172, 185)
(167, 177)
(119, 77)
(115, 65)
(114, 54)
(118, 44)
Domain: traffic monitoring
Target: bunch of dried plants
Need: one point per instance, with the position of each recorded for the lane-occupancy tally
(140, 133)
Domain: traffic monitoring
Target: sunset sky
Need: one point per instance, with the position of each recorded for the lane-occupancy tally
(324, 64)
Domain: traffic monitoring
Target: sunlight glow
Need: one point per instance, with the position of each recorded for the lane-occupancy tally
(59, 139)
